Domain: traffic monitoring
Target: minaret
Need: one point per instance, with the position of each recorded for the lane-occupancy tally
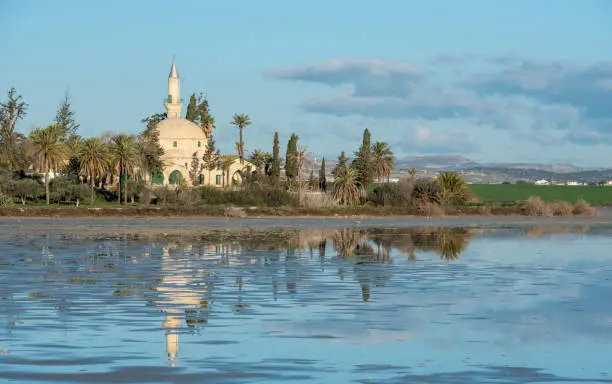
(173, 102)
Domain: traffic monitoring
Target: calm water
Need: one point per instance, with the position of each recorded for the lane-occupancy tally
(411, 305)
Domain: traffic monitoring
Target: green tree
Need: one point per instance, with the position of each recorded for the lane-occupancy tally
(412, 172)
(72, 168)
(312, 182)
(207, 121)
(322, 177)
(49, 150)
(23, 189)
(341, 166)
(259, 158)
(150, 153)
(65, 119)
(276, 161)
(192, 109)
(152, 121)
(362, 163)
(345, 187)
(195, 168)
(241, 121)
(12, 148)
(125, 158)
(212, 157)
(93, 159)
(382, 157)
(226, 164)
(291, 158)
(454, 188)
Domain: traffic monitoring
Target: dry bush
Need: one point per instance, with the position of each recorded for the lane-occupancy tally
(582, 208)
(429, 209)
(535, 206)
(315, 200)
(560, 208)
(234, 212)
(484, 210)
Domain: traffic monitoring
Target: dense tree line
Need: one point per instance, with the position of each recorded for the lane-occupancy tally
(128, 162)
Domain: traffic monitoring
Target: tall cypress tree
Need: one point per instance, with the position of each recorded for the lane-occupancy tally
(322, 178)
(340, 167)
(192, 109)
(276, 161)
(363, 163)
(291, 161)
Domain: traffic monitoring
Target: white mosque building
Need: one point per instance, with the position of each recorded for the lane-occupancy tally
(181, 139)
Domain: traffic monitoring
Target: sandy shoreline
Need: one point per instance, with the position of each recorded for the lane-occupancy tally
(198, 225)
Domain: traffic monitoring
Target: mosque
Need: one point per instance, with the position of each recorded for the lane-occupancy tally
(181, 140)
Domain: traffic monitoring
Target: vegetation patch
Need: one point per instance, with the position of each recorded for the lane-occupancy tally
(498, 193)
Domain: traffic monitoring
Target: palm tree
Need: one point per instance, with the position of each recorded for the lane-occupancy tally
(454, 188)
(259, 158)
(207, 123)
(241, 121)
(383, 160)
(93, 160)
(345, 187)
(412, 172)
(226, 163)
(49, 151)
(125, 158)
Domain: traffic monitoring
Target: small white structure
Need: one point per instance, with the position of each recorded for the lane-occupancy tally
(542, 182)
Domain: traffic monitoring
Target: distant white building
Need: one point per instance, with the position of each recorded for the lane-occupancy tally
(542, 182)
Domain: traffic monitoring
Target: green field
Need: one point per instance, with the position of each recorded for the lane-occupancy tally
(594, 195)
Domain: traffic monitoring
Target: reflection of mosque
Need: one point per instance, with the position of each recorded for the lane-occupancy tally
(180, 291)
(186, 284)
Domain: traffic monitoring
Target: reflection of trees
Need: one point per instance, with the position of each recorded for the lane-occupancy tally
(449, 243)
(181, 274)
(539, 230)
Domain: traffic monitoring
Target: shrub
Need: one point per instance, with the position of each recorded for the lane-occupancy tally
(23, 189)
(392, 194)
(426, 191)
(581, 207)
(428, 208)
(187, 196)
(213, 196)
(5, 200)
(560, 208)
(384, 194)
(164, 195)
(535, 206)
(313, 200)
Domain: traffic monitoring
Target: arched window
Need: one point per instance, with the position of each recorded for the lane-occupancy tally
(175, 177)
(175, 144)
(157, 179)
(200, 178)
(199, 144)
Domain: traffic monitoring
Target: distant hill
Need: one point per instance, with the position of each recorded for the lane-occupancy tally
(499, 172)
(436, 163)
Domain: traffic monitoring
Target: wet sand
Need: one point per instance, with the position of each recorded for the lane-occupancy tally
(197, 225)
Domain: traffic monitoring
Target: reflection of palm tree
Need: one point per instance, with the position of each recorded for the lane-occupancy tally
(346, 241)
(451, 246)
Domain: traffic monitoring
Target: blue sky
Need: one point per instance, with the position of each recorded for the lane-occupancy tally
(495, 81)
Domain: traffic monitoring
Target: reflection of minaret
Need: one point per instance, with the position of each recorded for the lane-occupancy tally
(180, 296)
(172, 341)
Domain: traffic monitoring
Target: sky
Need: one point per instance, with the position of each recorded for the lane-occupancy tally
(494, 81)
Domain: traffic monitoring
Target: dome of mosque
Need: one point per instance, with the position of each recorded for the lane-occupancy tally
(179, 128)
